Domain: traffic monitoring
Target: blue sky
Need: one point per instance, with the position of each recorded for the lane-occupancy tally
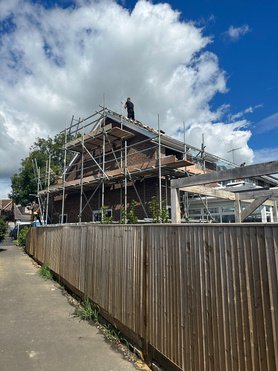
(249, 58)
(210, 64)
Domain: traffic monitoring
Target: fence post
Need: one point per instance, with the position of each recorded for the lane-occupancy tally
(146, 291)
(175, 205)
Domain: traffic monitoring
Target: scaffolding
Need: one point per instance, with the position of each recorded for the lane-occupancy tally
(106, 158)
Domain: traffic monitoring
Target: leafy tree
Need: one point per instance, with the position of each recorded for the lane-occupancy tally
(159, 216)
(132, 219)
(123, 220)
(24, 182)
(129, 217)
(3, 228)
(106, 219)
(154, 207)
(164, 215)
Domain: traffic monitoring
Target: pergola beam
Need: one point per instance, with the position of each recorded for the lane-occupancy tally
(240, 216)
(248, 196)
(270, 193)
(250, 171)
(195, 184)
(207, 191)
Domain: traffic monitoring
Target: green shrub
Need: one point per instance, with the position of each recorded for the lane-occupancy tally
(3, 228)
(132, 219)
(159, 216)
(164, 215)
(22, 236)
(106, 219)
(129, 217)
(124, 217)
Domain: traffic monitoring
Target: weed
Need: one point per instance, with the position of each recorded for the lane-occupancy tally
(114, 334)
(45, 272)
(88, 311)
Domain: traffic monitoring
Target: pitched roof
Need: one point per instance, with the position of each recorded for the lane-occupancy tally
(5, 204)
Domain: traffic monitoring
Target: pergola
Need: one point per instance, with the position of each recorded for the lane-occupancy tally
(255, 198)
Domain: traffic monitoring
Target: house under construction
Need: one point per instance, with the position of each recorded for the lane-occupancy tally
(120, 161)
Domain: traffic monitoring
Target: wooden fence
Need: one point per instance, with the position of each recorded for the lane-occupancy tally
(194, 297)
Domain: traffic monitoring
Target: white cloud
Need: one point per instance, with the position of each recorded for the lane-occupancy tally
(234, 33)
(267, 124)
(57, 62)
(242, 113)
(221, 138)
(266, 155)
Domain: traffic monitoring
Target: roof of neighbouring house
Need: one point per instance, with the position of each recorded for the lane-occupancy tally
(6, 204)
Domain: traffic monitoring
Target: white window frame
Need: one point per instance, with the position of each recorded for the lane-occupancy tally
(99, 212)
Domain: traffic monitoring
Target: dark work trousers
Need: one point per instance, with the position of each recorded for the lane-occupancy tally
(130, 114)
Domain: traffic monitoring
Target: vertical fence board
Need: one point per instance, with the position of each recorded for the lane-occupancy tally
(265, 299)
(230, 254)
(271, 246)
(204, 296)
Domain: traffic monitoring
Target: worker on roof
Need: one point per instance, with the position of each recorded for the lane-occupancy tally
(130, 109)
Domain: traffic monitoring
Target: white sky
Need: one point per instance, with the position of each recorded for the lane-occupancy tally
(57, 63)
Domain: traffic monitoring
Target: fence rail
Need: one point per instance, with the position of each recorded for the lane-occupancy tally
(194, 297)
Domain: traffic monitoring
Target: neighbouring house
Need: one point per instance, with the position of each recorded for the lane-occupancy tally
(14, 214)
(22, 214)
(7, 209)
(122, 160)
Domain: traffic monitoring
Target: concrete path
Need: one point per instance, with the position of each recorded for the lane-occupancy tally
(37, 329)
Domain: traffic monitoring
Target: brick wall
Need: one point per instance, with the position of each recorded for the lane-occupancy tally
(147, 188)
(148, 151)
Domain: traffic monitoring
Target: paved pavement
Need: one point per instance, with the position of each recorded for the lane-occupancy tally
(37, 327)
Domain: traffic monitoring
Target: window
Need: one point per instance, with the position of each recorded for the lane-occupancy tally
(253, 218)
(228, 209)
(195, 211)
(224, 182)
(216, 218)
(214, 210)
(228, 218)
(97, 214)
(65, 219)
(257, 211)
(196, 218)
